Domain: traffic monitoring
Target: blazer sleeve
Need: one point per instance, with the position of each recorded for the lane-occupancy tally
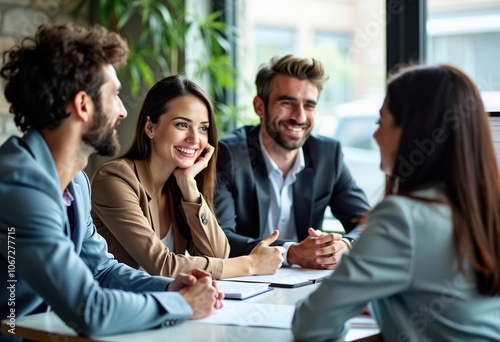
(46, 259)
(117, 206)
(208, 237)
(381, 263)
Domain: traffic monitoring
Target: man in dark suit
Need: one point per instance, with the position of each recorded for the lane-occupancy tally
(277, 176)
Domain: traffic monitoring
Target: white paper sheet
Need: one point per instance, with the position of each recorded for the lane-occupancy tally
(251, 315)
(268, 315)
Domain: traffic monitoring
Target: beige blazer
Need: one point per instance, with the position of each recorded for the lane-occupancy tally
(125, 212)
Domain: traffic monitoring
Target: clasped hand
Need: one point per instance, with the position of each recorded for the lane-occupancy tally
(319, 250)
(199, 290)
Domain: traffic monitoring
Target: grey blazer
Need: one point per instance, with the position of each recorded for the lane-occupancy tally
(242, 195)
(404, 265)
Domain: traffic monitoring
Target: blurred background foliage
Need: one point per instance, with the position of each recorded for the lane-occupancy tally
(167, 38)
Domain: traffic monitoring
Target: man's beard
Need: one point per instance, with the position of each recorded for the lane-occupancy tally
(101, 137)
(273, 131)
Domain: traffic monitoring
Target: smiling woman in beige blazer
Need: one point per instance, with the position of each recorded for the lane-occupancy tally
(147, 204)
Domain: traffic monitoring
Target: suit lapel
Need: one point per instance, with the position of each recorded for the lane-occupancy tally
(302, 201)
(77, 234)
(145, 178)
(303, 192)
(67, 227)
(155, 215)
(262, 185)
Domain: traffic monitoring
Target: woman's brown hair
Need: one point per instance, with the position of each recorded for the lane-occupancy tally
(446, 140)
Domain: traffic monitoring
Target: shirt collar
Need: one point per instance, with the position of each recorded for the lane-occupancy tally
(67, 197)
(271, 166)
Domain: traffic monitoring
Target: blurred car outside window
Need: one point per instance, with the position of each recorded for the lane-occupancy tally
(353, 124)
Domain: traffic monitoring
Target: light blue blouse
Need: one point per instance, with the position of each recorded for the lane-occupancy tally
(404, 266)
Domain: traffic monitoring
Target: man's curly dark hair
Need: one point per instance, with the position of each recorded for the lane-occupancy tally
(43, 74)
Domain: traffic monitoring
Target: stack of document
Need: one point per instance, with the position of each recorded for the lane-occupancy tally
(287, 277)
(363, 322)
(241, 290)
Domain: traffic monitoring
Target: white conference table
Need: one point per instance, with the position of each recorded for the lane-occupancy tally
(48, 327)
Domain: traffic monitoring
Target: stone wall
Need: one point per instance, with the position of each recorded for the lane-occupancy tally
(20, 19)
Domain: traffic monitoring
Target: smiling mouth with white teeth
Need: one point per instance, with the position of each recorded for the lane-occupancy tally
(295, 128)
(189, 151)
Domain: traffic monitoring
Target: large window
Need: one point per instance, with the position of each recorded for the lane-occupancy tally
(273, 41)
(333, 49)
(467, 34)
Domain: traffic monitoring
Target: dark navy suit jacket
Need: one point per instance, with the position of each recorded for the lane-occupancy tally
(242, 196)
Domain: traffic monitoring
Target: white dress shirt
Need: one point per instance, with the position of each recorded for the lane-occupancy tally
(281, 216)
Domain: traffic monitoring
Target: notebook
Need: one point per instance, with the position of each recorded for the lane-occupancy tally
(240, 290)
(288, 277)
